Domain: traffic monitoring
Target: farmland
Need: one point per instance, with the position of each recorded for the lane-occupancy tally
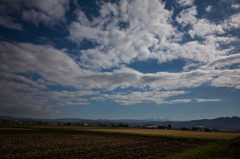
(194, 134)
(157, 132)
(44, 141)
(89, 145)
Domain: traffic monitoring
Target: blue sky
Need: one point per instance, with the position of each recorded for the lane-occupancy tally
(125, 59)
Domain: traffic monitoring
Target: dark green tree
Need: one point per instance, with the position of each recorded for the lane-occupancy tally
(169, 126)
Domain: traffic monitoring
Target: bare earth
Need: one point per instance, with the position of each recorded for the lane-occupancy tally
(89, 146)
(213, 135)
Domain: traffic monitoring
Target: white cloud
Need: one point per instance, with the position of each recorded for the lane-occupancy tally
(235, 6)
(227, 78)
(157, 97)
(205, 27)
(191, 66)
(187, 16)
(7, 9)
(32, 83)
(225, 61)
(118, 45)
(24, 110)
(8, 22)
(218, 40)
(179, 101)
(232, 22)
(201, 26)
(146, 35)
(47, 12)
(208, 9)
(149, 33)
(52, 64)
(126, 102)
(21, 62)
(72, 104)
(21, 99)
(199, 100)
(18, 98)
(56, 67)
(185, 2)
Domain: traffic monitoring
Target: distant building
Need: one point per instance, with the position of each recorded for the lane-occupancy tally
(184, 128)
(151, 127)
(162, 127)
(198, 128)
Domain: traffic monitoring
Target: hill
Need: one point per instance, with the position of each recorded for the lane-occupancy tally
(222, 123)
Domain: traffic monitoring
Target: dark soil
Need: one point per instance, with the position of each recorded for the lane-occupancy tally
(89, 145)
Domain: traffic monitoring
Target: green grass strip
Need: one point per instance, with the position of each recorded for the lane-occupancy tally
(218, 149)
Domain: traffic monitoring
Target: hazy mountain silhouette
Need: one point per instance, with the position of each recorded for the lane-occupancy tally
(222, 123)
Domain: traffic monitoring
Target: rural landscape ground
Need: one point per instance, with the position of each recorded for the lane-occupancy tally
(45, 141)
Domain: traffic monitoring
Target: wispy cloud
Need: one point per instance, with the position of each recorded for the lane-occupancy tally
(157, 97)
(199, 100)
(179, 101)
(49, 13)
(185, 2)
(8, 22)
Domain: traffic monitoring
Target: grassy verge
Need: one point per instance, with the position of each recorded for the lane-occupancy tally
(218, 149)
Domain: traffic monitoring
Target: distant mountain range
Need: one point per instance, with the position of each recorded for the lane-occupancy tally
(161, 118)
(222, 124)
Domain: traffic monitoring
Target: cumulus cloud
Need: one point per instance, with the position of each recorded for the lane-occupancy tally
(6, 15)
(46, 12)
(20, 63)
(199, 100)
(21, 99)
(25, 110)
(157, 97)
(134, 31)
(208, 9)
(232, 22)
(187, 16)
(117, 44)
(10, 76)
(8, 22)
(201, 26)
(57, 67)
(50, 63)
(235, 6)
(185, 2)
(122, 33)
(205, 27)
(28, 98)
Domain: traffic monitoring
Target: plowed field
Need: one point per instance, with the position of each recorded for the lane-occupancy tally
(88, 145)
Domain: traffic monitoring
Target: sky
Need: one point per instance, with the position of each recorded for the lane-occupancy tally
(120, 59)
